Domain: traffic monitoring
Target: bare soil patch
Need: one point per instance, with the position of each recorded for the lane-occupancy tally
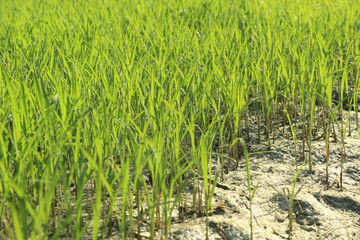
(320, 213)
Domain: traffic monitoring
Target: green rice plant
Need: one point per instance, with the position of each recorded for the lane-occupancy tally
(311, 101)
(356, 99)
(342, 151)
(251, 190)
(110, 111)
(209, 185)
(290, 195)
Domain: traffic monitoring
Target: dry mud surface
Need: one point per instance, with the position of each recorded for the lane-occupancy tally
(319, 213)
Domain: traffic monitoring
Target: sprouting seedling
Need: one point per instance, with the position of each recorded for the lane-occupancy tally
(135, 97)
(332, 118)
(208, 184)
(290, 196)
(251, 192)
(286, 193)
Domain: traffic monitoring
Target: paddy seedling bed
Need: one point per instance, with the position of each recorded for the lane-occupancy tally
(127, 119)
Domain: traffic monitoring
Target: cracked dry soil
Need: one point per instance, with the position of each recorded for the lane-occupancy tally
(319, 213)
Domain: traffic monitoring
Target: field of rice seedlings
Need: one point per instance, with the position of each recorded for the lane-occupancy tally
(132, 119)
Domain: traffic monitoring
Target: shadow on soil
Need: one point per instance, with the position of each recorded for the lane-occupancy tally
(305, 214)
(340, 203)
(227, 231)
(353, 172)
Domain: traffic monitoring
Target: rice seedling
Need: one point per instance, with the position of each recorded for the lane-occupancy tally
(290, 195)
(251, 190)
(111, 112)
